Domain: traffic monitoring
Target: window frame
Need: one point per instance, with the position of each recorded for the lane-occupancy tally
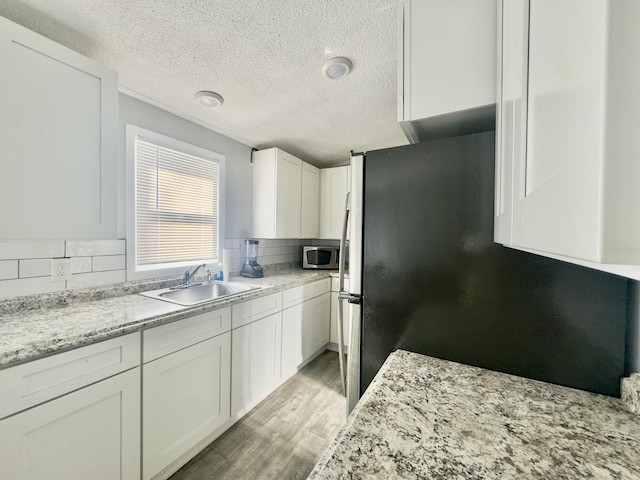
(142, 272)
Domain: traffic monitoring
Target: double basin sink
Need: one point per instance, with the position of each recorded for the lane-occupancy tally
(199, 293)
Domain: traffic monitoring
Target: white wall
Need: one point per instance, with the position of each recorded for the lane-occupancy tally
(25, 265)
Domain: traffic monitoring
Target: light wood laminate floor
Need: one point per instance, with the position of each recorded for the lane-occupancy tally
(284, 436)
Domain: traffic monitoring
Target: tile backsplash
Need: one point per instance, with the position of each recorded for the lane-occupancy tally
(270, 251)
(25, 266)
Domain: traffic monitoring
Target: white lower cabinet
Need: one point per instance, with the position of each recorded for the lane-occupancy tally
(91, 433)
(255, 362)
(305, 332)
(185, 394)
(90, 413)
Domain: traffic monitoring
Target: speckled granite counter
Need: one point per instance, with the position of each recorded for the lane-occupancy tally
(32, 327)
(425, 418)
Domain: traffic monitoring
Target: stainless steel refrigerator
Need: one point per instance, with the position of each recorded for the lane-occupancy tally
(426, 276)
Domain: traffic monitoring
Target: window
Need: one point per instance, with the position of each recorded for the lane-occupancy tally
(175, 206)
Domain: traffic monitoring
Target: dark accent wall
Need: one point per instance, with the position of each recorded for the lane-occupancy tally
(436, 283)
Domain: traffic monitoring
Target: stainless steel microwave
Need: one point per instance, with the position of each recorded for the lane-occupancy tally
(321, 257)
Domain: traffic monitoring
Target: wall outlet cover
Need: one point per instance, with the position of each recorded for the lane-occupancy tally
(60, 269)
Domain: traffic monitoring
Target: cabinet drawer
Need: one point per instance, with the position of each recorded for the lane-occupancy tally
(169, 338)
(335, 284)
(32, 383)
(255, 309)
(297, 295)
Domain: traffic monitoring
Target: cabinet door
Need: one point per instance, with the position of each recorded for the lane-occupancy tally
(448, 57)
(288, 178)
(305, 332)
(310, 216)
(256, 350)
(91, 433)
(559, 187)
(511, 110)
(185, 399)
(334, 185)
(58, 137)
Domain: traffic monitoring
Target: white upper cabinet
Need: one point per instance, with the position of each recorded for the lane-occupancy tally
(58, 140)
(511, 110)
(568, 146)
(334, 185)
(447, 67)
(277, 187)
(310, 201)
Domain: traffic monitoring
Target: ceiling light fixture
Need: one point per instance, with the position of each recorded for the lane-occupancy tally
(209, 99)
(337, 68)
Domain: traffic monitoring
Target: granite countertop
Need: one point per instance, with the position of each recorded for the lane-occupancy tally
(40, 325)
(426, 418)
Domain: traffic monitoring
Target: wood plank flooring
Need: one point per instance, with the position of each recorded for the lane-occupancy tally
(284, 436)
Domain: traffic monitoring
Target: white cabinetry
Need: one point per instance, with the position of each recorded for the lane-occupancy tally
(333, 336)
(305, 324)
(447, 65)
(570, 93)
(310, 201)
(334, 185)
(186, 389)
(58, 139)
(255, 362)
(277, 193)
(88, 425)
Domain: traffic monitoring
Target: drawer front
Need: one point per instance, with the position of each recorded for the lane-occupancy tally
(252, 310)
(335, 284)
(169, 338)
(32, 383)
(297, 295)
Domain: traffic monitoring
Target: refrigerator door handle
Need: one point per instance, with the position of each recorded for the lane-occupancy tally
(341, 268)
(353, 298)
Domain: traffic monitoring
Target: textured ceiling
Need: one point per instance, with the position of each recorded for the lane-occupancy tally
(264, 57)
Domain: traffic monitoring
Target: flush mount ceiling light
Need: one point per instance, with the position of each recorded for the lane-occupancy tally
(336, 68)
(209, 99)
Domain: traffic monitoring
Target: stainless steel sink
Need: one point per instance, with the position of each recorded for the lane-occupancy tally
(199, 293)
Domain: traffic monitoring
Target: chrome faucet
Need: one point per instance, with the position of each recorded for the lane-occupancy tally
(189, 276)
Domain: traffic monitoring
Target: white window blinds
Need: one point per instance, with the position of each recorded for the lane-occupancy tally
(177, 206)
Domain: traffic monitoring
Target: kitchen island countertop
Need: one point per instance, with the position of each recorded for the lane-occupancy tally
(73, 319)
(427, 418)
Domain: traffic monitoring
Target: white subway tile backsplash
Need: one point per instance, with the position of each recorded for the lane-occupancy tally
(40, 267)
(8, 269)
(23, 249)
(80, 265)
(266, 260)
(86, 248)
(109, 262)
(25, 266)
(271, 251)
(95, 279)
(29, 286)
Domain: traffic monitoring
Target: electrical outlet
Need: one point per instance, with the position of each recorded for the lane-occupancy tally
(60, 269)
